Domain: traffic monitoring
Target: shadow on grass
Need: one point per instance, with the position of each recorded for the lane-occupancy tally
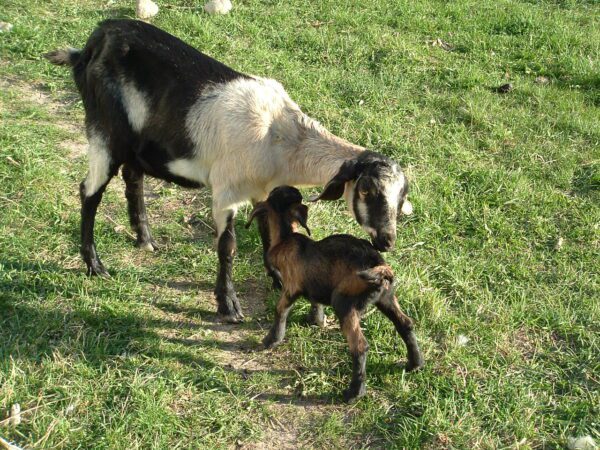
(589, 85)
(43, 310)
(586, 180)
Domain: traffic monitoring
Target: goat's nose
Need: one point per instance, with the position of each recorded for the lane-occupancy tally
(384, 241)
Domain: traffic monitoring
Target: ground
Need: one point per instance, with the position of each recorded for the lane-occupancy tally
(498, 265)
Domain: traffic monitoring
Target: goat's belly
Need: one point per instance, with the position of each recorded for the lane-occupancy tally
(156, 162)
(318, 293)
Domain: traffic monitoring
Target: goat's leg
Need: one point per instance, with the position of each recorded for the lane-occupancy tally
(389, 306)
(228, 304)
(350, 324)
(134, 192)
(316, 315)
(101, 170)
(263, 229)
(277, 332)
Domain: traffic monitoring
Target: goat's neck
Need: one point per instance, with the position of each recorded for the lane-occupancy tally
(320, 156)
(280, 230)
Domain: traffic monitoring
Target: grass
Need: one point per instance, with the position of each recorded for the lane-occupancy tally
(502, 249)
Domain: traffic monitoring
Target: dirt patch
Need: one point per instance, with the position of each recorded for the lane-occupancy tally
(237, 348)
(75, 149)
(30, 92)
(36, 94)
(524, 344)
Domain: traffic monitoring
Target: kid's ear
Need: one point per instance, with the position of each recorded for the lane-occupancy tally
(300, 214)
(335, 187)
(260, 208)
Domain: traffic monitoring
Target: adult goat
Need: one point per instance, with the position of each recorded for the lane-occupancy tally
(157, 106)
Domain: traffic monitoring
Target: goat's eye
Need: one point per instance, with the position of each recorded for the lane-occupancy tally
(363, 193)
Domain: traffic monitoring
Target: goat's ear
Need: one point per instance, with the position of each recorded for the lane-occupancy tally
(335, 187)
(260, 208)
(300, 214)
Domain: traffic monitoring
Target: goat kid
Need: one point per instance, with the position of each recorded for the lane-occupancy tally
(340, 270)
(156, 106)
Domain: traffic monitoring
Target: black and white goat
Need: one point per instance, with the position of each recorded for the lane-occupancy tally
(157, 106)
(340, 270)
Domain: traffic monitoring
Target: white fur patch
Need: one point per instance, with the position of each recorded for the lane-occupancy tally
(361, 206)
(240, 113)
(136, 106)
(190, 169)
(242, 130)
(99, 163)
(349, 196)
(393, 189)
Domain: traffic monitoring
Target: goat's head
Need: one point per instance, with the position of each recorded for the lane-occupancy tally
(283, 210)
(375, 190)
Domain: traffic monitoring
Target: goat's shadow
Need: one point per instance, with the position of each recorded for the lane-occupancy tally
(33, 325)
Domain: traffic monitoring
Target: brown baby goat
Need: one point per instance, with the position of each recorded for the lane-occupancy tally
(340, 270)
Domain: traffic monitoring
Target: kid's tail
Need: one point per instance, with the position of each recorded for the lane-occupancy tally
(63, 57)
(378, 276)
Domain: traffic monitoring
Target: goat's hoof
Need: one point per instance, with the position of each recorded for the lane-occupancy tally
(352, 394)
(316, 323)
(149, 246)
(232, 318)
(270, 342)
(98, 270)
(315, 319)
(413, 366)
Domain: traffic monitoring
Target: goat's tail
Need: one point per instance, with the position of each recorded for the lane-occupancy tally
(378, 276)
(63, 57)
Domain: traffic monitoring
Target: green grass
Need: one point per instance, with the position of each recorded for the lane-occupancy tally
(497, 181)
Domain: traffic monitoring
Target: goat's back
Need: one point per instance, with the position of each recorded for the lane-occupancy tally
(318, 268)
(355, 253)
(155, 59)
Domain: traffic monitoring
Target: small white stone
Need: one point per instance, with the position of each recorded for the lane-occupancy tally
(218, 6)
(559, 243)
(581, 443)
(5, 27)
(146, 9)
(15, 415)
(407, 208)
(462, 340)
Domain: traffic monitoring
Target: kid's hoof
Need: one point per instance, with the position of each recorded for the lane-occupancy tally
(316, 317)
(352, 395)
(315, 321)
(269, 342)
